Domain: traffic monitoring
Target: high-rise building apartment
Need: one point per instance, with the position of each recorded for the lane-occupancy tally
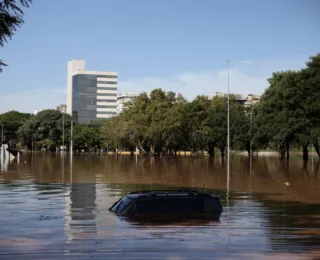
(123, 100)
(91, 95)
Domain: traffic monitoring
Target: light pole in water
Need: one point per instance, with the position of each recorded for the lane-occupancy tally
(228, 123)
(228, 146)
(71, 137)
(63, 130)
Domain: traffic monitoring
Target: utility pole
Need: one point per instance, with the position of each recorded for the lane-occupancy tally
(71, 137)
(228, 123)
(251, 137)
(63, 131)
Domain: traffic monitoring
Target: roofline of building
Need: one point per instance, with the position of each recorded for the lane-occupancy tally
(92, 72)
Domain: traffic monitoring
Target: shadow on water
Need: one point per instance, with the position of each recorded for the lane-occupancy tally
(53, 204)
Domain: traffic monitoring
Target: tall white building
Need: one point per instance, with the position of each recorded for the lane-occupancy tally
(91, 95)
(123, 100)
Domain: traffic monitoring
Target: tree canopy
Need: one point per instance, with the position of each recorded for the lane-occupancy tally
(11, 122)
(46, 128)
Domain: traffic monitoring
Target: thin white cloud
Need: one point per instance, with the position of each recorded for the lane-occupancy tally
(246, 77)
(29, 100)
(192, 84)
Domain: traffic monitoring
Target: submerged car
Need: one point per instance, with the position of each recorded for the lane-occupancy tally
(168, 204)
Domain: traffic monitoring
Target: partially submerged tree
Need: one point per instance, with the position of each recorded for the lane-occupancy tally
(48, 124)
(11, 121)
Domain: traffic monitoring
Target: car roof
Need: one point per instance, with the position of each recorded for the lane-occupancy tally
(162, 193)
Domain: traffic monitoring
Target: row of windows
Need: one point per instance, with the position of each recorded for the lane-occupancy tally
(109, 94)
(107, 82)
(106, 100)
(114, 107)
(108, 76)
(106, 113)
(108, 88)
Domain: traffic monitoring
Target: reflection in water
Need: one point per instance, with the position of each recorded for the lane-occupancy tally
(80, 212)
(5, 158)
(60, 205)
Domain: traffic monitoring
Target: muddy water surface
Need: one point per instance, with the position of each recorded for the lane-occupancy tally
(52, 207)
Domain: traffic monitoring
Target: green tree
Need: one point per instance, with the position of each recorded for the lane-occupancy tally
(11, 121)
(137, 122)
(47, 124)
(194, 123)
(216, 128)
(11, 18)
(88, 136)
(165, 118)
(289, 110)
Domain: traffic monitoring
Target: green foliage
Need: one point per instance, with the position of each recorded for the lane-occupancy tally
(46, 125)
(164, 122)
(88, 136)
(11, 18)
(11, 121)
(289, 111)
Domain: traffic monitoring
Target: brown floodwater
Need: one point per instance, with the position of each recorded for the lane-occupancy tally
(52, 207)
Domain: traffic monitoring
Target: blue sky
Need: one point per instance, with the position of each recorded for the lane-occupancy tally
(178, 45)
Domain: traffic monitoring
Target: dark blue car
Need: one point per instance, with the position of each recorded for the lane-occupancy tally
(161, 204)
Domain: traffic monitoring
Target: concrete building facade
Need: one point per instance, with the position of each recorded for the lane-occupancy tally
(91, 95)
(251, 100)
(247, 101)
(62, 108)
(123, 99)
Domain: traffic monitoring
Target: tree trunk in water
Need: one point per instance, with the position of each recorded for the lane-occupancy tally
(282, 152)
(164, 150)
(305, 153)
(316, 146)
(211, 150)
(222, 152)
(152, 149)
(288, 152)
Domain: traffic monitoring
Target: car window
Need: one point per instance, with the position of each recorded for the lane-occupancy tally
(123, 204)
(170, 205)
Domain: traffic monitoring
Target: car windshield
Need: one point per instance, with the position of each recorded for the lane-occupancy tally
(121, 205)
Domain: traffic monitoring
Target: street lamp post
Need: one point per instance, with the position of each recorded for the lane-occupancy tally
(251, 137)
(228, 123)
(71, 137)
(63, 131)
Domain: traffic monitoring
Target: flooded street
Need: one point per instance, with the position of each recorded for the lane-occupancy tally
(56, 208)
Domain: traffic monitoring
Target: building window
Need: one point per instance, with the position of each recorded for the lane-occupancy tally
(108, 82)
(108, 88)
(108, 76)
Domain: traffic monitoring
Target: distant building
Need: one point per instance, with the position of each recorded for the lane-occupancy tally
(123, 99)
(238, 97)
(91, 95)
(251, 99)
(62, 108)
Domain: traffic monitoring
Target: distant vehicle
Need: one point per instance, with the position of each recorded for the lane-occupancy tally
(168, 204)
